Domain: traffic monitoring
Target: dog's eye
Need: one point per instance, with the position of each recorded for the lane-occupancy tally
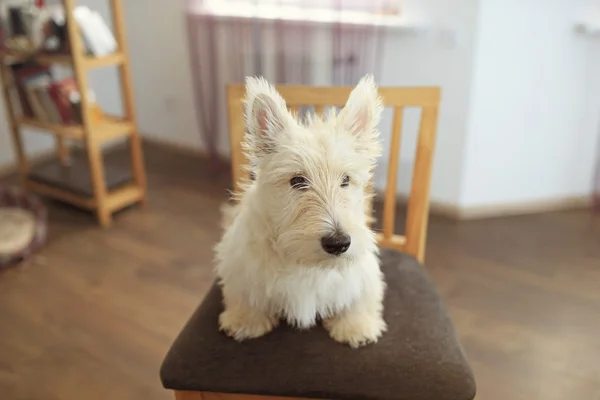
(299, 182)
(345, 181)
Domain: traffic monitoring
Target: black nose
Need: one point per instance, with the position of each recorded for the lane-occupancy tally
(336, 244)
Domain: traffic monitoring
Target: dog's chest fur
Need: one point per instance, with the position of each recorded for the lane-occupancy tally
(299, 294)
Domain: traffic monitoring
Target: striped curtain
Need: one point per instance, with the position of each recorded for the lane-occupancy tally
(226, 49)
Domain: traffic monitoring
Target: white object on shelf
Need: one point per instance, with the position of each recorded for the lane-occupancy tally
(97, 37)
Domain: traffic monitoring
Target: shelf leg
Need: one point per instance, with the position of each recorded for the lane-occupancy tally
(6, 77)
(104, 217)
(62, 150)
(135, 143)
(137, 164)
(94, 154)
(93, 145)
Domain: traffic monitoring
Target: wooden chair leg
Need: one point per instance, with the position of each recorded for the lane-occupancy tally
(191, 395)
(185, 395)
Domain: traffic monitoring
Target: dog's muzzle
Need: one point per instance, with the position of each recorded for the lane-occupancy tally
(336, 244)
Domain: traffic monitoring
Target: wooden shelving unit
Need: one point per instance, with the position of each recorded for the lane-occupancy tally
(86, 182)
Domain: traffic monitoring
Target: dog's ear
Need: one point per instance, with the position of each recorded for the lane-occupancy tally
(267, 116)
(362, 111)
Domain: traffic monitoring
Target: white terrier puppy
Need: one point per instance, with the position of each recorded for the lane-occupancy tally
(297, 246)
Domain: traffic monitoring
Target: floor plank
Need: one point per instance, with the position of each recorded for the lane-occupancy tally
(92, 315)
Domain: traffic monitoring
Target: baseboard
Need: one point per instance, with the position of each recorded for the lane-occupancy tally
(527, 207)
(174, 147)
(502, 209)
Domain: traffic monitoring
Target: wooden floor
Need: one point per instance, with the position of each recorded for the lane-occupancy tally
(93, 314)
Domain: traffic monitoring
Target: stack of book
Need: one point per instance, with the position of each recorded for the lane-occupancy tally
(47, 100)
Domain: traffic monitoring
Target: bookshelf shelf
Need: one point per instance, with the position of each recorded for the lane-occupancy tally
(46, 59)
(89, 62)
(112, 128)
(66, 131)
(109, 129)
(72, 184)
(85, 182)
(74, 178)
(106, 61)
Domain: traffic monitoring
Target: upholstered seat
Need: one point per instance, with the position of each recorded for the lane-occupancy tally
(418, 358)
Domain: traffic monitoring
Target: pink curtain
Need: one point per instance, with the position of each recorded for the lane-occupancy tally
(226, 49)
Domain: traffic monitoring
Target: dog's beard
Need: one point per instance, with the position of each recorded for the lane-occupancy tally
(299, 249)
(305, 250)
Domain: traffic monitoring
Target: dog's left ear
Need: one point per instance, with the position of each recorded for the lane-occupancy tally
(267, 117)
(362, 111)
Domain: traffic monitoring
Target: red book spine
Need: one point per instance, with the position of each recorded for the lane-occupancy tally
(59, 99)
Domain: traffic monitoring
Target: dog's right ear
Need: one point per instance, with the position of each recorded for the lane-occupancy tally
(267, 116)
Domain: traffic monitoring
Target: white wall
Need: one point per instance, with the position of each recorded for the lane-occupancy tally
(535, 104)
(441, 57)
(157, 34)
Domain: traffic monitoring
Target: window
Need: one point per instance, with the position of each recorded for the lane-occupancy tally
(387, 7)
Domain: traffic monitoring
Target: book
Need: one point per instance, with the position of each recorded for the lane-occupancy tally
(59, 91)
(47, 101)
(31, 86)
(16, 23)
(21, 72)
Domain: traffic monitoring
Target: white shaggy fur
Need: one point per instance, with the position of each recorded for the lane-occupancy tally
(270, 261)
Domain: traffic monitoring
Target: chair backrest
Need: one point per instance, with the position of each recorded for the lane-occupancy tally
(427, 98)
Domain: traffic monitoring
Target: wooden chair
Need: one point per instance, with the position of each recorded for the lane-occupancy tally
(204, 364)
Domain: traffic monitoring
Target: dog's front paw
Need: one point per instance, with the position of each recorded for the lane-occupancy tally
(247, 324)
(355, 329)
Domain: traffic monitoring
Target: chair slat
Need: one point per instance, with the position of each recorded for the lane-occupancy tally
(235, 111)
(389, 202)
(320, 110)
(338, 95)
(418, 202)
(396, 242)
(369, 190)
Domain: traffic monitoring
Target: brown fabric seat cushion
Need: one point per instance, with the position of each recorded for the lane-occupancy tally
(418, 358)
